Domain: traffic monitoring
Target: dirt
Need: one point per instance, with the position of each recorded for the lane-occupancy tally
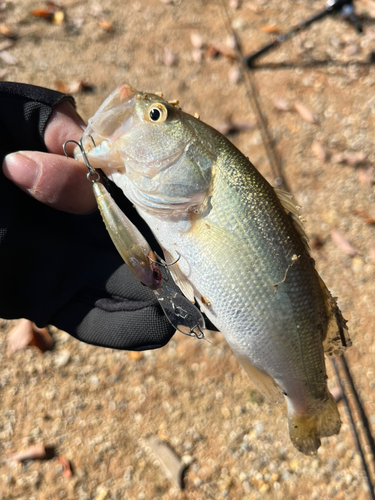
(98, 407)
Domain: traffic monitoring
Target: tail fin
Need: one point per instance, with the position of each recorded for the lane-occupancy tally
(306, 430)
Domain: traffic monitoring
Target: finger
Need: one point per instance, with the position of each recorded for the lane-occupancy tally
(52, 179)
(64, 124)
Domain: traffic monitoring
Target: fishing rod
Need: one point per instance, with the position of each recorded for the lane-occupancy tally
(347, 8)
(344, 8)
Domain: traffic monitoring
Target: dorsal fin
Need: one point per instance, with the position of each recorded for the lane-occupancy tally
(293, 210)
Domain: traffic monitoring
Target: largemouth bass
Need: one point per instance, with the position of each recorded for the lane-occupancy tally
(241, 249)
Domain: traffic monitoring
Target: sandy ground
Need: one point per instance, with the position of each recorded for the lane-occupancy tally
(99, 407)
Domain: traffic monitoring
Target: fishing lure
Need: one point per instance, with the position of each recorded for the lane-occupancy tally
(141, 260)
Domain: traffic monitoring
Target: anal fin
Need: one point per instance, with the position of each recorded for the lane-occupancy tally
(263, 382)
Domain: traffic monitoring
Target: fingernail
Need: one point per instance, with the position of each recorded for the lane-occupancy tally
(21, 169)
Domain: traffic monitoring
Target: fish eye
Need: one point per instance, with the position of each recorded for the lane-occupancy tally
(158, 113)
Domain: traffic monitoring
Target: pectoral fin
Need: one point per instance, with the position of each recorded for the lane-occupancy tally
(179, 278)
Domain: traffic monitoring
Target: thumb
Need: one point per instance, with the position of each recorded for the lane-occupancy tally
(54, 180)
(51, 178)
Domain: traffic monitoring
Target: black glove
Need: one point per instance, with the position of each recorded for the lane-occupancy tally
(63, 269)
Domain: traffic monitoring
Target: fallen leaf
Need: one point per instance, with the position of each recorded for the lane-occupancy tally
(234, 75)
(197, 55)
(350, 158)
(6, 44)
(7, 32)
(230, 127)
(61, 86)
(173, 466)
(304, 112)
(196, 40)
(44, 13)
(169, 57)
(282, 104)
(234, 4)
(73, 87)
(366, 175)
(372, 254)
(369, 220)
(319, 151)
(343, 243)
(317, 243)
(8, 58)
(218, 48)
(51, 12)
(270, 28)
(67, 470)
(36, 452)
(336, 393)
(25, 334)
(105, 25)
(135, 355)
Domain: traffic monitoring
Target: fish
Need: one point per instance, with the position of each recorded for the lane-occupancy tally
(241, 250)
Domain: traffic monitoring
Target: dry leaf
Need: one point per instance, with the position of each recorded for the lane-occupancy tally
(234, 75)
(270, 28)
(6, 44)
(25, 334)
(234, 4)
(105, 25)
(304, 112)
(67, 470)
(217, 48)
(169, 57)
(36, 452)
(196, 40)
(61, 86)
(230, 127)
(44, 13)
(7, 32)
(282, 104)
(372, 254)
(197, 55)
(319, 151)
(316, 243)
(366, 216)
(366, 175)
(8, 58)
(73, 87)
(135, 355)
(336, 393)
(343, 243)
(350, 158)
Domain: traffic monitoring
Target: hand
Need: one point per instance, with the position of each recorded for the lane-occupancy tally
(51, 178)
(59, 266)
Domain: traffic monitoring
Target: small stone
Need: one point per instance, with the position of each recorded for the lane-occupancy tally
(61, 359)
(293, 465)
(225, 412)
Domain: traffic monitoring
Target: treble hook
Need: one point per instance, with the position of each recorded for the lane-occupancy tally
(91, 170)
(162, 262)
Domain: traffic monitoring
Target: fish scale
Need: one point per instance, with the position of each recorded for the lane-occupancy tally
(241, 248)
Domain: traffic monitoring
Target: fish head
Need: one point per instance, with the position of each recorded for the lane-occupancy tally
(151, 149)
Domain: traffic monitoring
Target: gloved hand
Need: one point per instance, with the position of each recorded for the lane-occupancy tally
(57, 263)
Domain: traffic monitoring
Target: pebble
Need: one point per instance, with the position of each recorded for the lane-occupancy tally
(61, 358)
